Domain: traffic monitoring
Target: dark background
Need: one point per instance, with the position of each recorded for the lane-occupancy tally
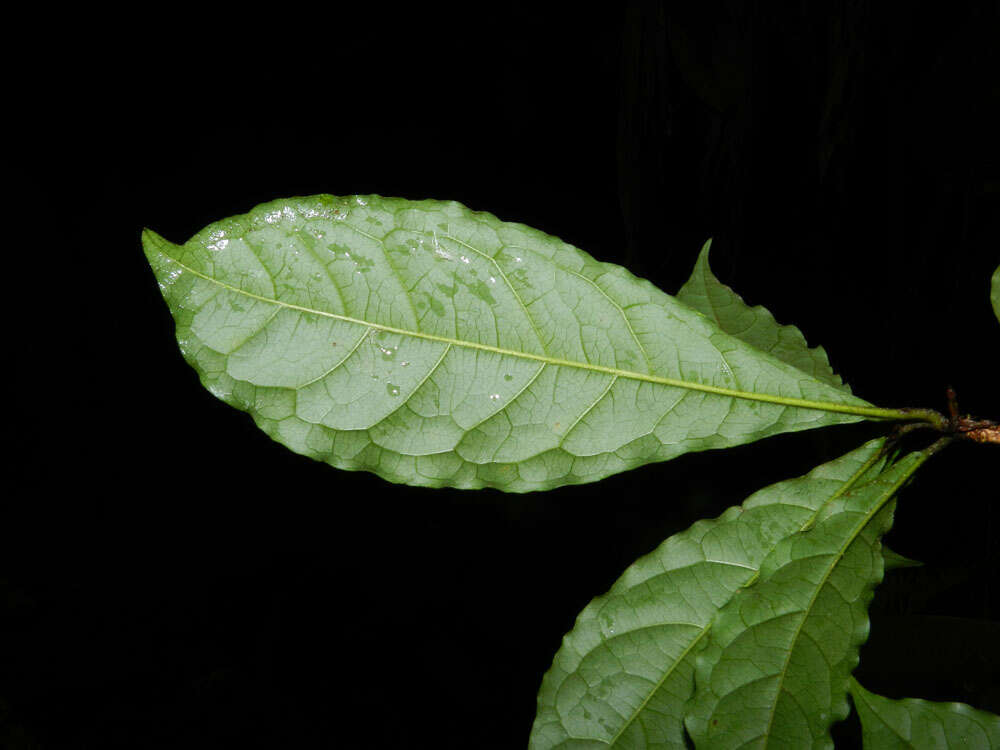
(176, 580)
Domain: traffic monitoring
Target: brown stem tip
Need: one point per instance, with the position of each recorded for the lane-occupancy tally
(978, 430)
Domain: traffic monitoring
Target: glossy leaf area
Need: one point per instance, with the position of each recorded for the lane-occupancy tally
(775, 669)
(625, 673)
(439, 346)
(922, 725)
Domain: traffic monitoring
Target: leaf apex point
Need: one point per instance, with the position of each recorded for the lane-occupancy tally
(153, 241)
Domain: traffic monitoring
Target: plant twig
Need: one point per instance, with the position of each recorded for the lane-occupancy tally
(967, 427)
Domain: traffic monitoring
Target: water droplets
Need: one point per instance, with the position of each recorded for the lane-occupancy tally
(494, 397)
(392, 390)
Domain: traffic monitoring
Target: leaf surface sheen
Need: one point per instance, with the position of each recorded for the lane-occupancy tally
(623, 675)
(915, 724)
(439, 346)
(775, 668)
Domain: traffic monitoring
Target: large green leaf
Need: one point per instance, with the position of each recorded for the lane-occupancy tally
(754, 325)
(437, 346)
(624, 673)
(995, 292)
(923, 725)
(775, 669)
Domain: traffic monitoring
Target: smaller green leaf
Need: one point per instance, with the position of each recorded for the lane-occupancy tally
(995, 292)
(894, 560)
(624, 673)
(753, 325)
(775, 670)
(922, 725)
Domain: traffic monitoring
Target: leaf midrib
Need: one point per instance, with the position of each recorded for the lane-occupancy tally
(863, 411)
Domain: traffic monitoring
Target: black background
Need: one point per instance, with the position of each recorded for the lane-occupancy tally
(175, 579)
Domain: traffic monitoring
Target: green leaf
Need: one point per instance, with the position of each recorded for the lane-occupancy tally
(624, 673)
(995, 292)
(775, 670)
(439, 346)
(754, 325)
(922, 725)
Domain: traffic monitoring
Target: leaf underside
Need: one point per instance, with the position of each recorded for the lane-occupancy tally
(625, 672)
(775, 668)
(922, 725)
(438, 346)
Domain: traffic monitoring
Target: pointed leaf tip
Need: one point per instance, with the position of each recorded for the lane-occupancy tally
(151, 239)
(894, 560)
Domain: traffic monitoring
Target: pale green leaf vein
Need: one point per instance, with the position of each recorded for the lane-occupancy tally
(865, 411)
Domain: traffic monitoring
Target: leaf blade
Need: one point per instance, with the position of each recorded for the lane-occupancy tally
(921, 724)
(530, 365)
(625, 671)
